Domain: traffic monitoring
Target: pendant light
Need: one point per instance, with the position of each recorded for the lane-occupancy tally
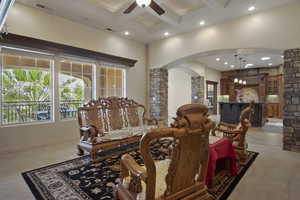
(237, 81)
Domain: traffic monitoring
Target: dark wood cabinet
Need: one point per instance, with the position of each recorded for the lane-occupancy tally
(273, 85)
(273, 110)
(225, 86)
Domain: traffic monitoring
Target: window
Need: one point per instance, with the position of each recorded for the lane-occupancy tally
(75, 87)
(112, 82)
(26, 89)
(34, 89)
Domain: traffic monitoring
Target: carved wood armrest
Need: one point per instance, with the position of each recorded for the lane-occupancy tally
(128, 164)
(150, 121)
(228, 130)
(89, 133)
(231, 126)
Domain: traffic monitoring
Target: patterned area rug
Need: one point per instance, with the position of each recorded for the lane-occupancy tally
(78, 179)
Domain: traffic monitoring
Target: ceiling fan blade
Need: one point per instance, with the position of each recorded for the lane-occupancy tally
(156, 8)
(130, 8)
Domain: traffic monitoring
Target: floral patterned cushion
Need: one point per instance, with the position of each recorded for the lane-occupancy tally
(125, 133)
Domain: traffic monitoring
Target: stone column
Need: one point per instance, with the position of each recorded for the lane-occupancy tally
(291, 118)
(158, 94)
(197, 89)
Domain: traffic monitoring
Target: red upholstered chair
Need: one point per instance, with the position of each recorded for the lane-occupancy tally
(237, 133)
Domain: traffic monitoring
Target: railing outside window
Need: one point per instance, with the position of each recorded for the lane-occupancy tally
(35, 111)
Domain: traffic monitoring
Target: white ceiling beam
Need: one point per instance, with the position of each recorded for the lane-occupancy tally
(227, 3)
(213, 3)
(168, 17)
(121, 21)
(193, 2)
(137, 11)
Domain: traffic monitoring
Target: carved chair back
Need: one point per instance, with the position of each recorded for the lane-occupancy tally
(111, 113)
(244, 124)
(189, 157)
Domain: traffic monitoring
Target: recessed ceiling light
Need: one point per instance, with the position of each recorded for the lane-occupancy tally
(249, 65)
(202, 23)
(251, 8)
(282, 56)
(166, 33)
(265, 58)
(218, 59)
(126, 33)
(225, 63)
(232, 66)
(270, 64)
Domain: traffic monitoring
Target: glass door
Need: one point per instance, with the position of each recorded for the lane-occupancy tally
(211, 96)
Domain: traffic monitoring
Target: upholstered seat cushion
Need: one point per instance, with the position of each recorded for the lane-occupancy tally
(214, 139)
(125, 133)
(160, 187)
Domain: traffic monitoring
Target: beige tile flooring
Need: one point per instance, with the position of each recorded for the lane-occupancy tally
(273, 176)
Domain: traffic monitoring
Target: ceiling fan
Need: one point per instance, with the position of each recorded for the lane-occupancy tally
(145, 3)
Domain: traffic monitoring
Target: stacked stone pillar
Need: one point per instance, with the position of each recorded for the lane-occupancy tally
(197, 89)
(291, 119)
(158, 94)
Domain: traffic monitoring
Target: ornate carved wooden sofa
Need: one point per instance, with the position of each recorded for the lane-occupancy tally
(181, 177)
(110, 122)
(237, 133)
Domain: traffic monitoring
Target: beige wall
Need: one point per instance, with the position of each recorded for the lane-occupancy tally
(276, 28)
(179, 90)
(33, 23)
(179, 76)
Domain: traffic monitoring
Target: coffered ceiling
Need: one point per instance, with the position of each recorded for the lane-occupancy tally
(143, 24)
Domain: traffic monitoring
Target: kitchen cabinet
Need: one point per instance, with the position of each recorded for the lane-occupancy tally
(273, 85)
(273, 110)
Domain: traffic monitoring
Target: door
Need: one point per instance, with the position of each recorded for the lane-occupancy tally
(212, 96)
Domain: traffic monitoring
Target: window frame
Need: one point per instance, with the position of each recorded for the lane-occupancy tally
(54, 70)
(93, 85)
(30, 54)
(124, 78)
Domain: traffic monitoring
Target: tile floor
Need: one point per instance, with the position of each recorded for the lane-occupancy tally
(273, 176)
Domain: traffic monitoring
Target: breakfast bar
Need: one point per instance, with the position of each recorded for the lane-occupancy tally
(230, 113)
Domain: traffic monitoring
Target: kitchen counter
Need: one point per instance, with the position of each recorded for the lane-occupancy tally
(230, 113)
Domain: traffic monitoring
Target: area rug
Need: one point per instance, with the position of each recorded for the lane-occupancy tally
(78, 179)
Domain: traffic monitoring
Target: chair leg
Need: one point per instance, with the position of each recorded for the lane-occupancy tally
(115, 193)
(80, 152)
(242, 156)
(93, 156)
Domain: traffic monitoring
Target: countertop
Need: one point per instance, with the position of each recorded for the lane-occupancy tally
(240, 103)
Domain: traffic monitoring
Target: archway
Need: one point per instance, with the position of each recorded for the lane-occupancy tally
(192, 65)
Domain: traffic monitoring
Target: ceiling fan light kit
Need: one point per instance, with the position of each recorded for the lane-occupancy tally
(143, 3)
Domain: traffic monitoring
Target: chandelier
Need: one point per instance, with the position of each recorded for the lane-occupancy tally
(237, 81)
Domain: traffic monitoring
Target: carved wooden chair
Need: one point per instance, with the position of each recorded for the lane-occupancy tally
(237, 133)
(110, 122)
(180, 177)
